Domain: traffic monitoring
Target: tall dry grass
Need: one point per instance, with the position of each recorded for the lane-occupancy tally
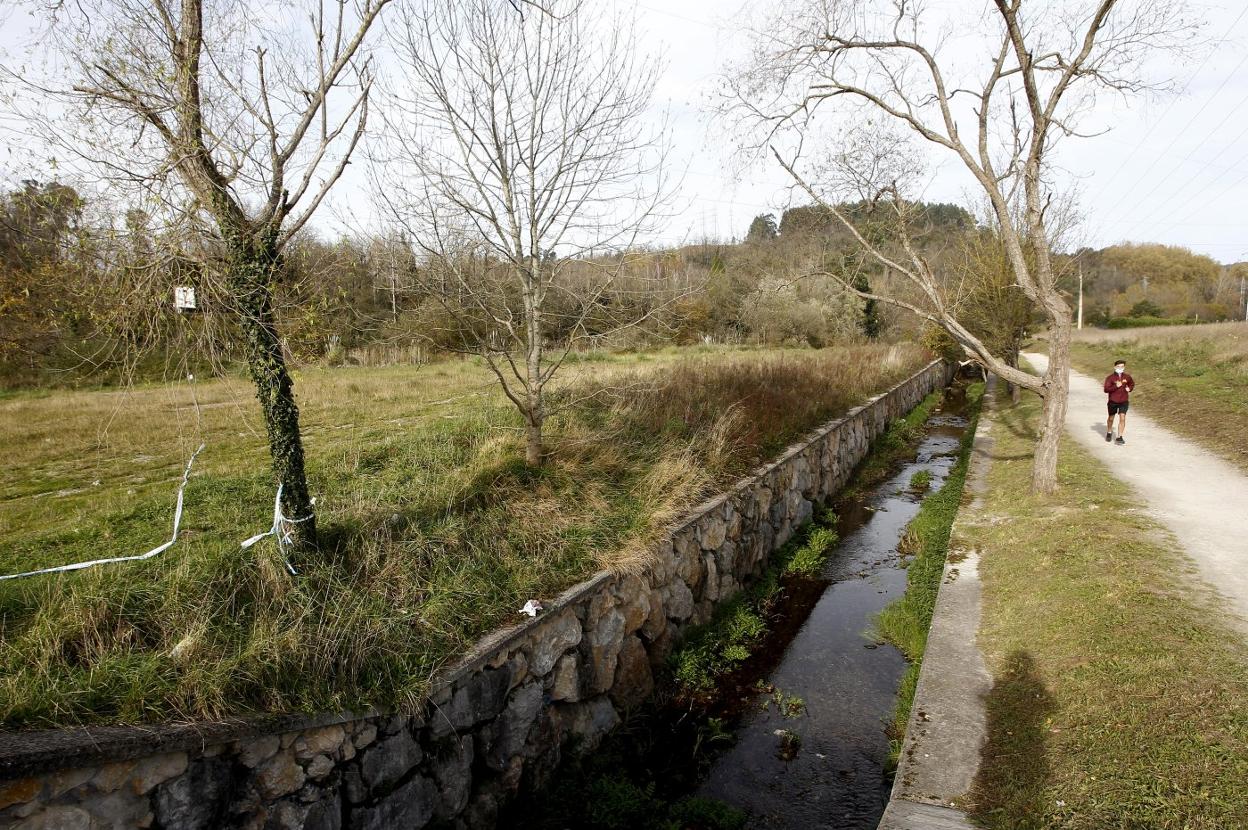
(435, 529)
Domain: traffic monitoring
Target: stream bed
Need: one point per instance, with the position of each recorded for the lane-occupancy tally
(797, 737)
(846, 678)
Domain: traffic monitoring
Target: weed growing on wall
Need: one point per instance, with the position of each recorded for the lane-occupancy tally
(713, 650)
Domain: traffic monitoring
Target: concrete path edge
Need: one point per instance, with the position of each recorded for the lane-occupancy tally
(941, 751)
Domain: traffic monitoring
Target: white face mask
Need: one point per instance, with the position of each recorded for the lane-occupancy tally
(1119, 369)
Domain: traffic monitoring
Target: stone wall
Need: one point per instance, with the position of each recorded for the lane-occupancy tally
(500, 720)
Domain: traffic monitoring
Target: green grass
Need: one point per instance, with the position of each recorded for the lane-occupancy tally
(710, 651)
(1120, 697)
(905, 623)
(1193, 380)
(434, 530)
(921, 480)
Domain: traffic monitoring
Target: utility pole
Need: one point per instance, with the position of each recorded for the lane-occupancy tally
(1080, 324)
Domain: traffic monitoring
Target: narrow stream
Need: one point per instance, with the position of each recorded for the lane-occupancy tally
(819, 648)
(847, 680)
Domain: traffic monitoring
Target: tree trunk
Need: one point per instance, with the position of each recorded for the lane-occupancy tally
(1053, 419)
(535, 405)
(250, 277)
(533, 443)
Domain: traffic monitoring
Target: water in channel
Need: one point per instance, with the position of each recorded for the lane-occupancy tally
(819, 648)
(847, 679)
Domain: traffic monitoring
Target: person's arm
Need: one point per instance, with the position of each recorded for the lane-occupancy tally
(1109, 380)
(1130, 384)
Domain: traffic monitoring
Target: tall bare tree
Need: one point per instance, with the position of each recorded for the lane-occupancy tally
(1041, 65)
(241, 119)
(529, 146)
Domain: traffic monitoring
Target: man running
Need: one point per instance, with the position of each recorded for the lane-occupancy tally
(1118, 386)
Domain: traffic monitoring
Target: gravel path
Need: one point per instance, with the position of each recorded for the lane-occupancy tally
(1202, 499)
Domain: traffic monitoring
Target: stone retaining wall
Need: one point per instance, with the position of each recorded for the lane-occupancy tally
(500, 720)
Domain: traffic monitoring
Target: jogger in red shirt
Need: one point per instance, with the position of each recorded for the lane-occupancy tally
(1118, 386)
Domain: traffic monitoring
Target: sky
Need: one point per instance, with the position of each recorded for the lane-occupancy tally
(1169, 168)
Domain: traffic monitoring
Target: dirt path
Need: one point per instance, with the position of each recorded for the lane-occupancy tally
(1202, 499)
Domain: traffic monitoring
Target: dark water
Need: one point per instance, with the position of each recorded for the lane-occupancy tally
(847, 680)
(818, 647)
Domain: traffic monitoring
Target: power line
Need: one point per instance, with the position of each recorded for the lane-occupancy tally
(1230, 112)
(1174, 102)
(1199, 112)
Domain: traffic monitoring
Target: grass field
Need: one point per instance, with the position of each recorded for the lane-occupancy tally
(1120, 697)
(1192, 379)
(435, 531)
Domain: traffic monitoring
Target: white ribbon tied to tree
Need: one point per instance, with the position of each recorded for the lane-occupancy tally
(279, 531)
(177, 523)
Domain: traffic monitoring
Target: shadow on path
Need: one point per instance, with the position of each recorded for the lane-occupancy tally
(1014, 769)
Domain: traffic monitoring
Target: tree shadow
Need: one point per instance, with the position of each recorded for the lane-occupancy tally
(1014, 420)
(1009, 789)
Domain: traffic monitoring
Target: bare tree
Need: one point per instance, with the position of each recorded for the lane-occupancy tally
(880, 64)
(529, 148)
(238, 121)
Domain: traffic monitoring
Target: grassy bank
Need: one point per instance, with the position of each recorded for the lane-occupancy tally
(905, 623)
(436, 531)
(1120, 698)
(1192, 379)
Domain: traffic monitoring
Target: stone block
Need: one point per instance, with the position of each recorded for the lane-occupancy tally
(409, 807)
(197, 799)
(156, 770)
(478, 698)
(587, 723)
(319, 767)
(663, 564)
(710, 590)
(634, 601)
(279, 776)
(633, 679)
(382, 765)
(726, 558)
(656, 620)
(712, 530)
(118, 810)
(21, 791)
(326, 740)
(603, 647)
(503, 740)
(555, 636)
(66, 780)
(451, 766)
(566, 685)
(678, 600)
(57, 817)
(252, 753)
(365, 735)
(325, 814)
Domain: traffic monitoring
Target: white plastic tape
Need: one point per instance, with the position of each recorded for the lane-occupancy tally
(177, 522)
(278, 531)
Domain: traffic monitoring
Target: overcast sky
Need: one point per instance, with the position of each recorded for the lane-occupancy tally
(1170, 170)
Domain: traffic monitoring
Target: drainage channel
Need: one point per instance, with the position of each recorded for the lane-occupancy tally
(821, 763)
(847, 680)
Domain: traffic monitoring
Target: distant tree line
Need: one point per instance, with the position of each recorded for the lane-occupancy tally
(84, 298)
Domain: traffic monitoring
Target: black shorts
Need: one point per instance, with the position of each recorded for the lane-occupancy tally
(1116, 408)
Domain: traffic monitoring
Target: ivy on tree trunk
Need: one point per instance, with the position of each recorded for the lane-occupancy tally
(250, 274)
